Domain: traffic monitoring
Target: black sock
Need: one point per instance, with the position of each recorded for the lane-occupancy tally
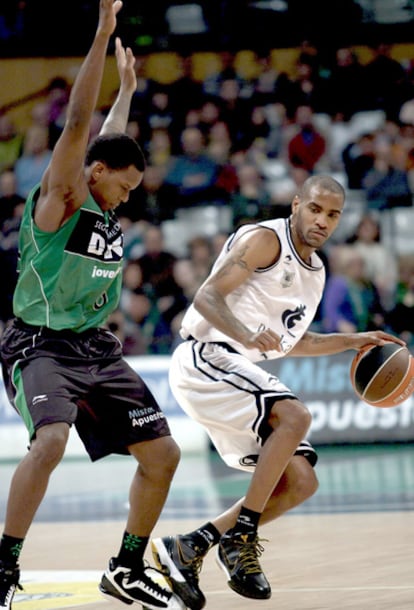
(205, 537)
(10, 549)
(247, 521)
(131, 553)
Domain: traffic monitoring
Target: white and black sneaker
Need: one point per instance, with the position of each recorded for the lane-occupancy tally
(121, 583)
(9, 582)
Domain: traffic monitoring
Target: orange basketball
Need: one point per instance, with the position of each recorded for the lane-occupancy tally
(383, 376)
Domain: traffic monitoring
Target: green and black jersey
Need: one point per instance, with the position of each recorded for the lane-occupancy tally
(71, 278)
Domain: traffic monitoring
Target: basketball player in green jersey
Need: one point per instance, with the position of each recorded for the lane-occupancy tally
(60, 365)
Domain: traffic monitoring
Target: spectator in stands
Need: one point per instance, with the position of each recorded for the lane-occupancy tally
(386, 183)
(145, 328)
(158, 283)
(193, 173)
(351, 301)
(359, 158)
(227, 70)
(235, 110)
(276, 115)
(189, 273)
(11, 142)
(284, 188)
(209, 114)
(251, 201)
(307, 87)
(346, 84)
(185, 92)
(307, 147)
(159, 148)
(160, 111)
(219, 148)
(217, 242)
(200, 255)
(32, 164)
(258, 126)
(219, 144)
(266, 79)
(128, 332)
(9, 235)
(57, 101)
(400, 317)
(156, 262)
(385, 81)
(380, 263)
(9, 198)
(155, 197)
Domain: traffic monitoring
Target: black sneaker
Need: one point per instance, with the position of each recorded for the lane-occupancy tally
(180, 561)
(120, 583)
(9, 582)
(238, 556)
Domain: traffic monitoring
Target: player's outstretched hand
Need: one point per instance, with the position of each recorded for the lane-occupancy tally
(108, 10)
(375, 337)
(125, 62)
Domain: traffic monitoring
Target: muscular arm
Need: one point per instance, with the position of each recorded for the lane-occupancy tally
(64, 187)
(258, 248)
(117, 119)
(316, 344)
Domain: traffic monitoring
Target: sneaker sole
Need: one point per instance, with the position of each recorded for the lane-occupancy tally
(173, 576)
(235, 586)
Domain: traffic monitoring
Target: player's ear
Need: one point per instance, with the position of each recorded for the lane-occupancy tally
(295, 202)
(97, 170)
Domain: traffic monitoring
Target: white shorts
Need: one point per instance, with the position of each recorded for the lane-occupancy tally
(231, 397)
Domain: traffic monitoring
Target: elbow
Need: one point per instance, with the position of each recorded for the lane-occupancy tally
(199, 301)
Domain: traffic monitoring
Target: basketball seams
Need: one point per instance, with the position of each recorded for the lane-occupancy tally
(373, 370)
(378, 372)
(396, 390)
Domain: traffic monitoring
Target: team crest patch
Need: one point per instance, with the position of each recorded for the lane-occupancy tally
(287, 279)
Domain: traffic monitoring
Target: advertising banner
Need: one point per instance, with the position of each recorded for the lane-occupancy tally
(321, 383)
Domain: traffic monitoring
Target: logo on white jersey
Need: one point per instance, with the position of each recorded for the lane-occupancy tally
(291, 317)
(287, 279)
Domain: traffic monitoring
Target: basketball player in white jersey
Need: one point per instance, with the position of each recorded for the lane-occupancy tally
(258, 302)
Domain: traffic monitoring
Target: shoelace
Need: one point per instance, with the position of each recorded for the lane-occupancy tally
(153, 586)
(196, 564)
(17, 585)
(193, 565)
(250, 553)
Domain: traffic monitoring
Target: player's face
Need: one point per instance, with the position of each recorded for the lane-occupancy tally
(315, 218)
(115, 186)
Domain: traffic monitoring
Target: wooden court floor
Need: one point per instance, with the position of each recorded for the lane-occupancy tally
(349, 547)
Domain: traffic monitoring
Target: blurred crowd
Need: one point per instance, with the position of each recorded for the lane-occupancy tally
(245, 145)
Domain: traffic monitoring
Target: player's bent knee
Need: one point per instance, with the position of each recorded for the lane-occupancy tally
(49, 444)
(304, 483)
(291, 412)
(158, 458)
(308, 486)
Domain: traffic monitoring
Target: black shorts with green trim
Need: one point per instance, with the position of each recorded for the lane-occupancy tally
(81, 379)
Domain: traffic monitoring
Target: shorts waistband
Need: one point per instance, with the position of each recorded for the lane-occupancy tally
(223, 344)
(45, 331)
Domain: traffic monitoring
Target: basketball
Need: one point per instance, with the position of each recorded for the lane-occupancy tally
(383, 376)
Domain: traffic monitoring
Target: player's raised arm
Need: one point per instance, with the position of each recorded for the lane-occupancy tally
(117, 119)
(64, 187)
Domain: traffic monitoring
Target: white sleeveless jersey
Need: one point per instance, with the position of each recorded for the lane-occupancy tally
(283, 297)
